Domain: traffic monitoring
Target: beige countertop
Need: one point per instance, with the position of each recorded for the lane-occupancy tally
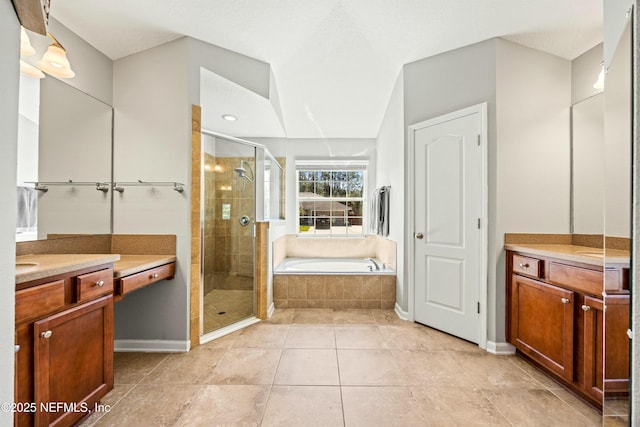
(34, 267)
(131, 264)
(584, 254)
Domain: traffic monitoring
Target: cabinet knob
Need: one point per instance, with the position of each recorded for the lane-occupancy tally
(585, 307)
(16, 348)
(521, 265)
(154, 276)
(100, 283)
(46, 334)
(565, 300)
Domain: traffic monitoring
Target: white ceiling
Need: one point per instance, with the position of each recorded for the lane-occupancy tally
(335, 61)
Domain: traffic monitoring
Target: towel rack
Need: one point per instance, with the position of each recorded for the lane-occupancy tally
(119, 186)
(44, 186)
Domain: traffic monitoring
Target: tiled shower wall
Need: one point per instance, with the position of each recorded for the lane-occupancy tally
(228, 245)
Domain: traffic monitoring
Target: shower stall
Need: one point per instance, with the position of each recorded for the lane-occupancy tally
(236, 182)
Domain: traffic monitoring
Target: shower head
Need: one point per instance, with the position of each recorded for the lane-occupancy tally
(242, 172)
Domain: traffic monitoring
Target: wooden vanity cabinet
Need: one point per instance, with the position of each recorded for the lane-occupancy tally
(542, 324)
(65, 351)
(127, 284)
(556, 317)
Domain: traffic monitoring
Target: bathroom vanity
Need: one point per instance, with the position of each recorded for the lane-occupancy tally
(569, 315)
(65, 329)
(64, 336)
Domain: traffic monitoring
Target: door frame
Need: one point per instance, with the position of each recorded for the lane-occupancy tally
(484, 211)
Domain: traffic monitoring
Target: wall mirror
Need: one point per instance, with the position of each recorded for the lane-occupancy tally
(618, 131)
(587, 167)
(64, 161)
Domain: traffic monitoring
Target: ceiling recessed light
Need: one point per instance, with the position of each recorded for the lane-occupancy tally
(229, 117)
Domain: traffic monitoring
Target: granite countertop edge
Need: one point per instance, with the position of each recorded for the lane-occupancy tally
(572, 253)
(132, 264)
(47, 265)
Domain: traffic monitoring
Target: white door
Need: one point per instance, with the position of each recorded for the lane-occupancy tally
(448, 177)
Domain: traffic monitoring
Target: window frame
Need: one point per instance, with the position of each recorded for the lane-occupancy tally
(333, 165)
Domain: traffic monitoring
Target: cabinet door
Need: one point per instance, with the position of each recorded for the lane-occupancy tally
(24, 373)
(593, 356)
(616, 320)
(73, 362)
(542, 324)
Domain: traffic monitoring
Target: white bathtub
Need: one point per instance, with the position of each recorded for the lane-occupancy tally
(332, 266)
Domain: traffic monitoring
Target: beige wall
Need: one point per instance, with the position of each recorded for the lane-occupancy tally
(152, 137)
(584, 73)
(442, 84)
(9, 77)
(635, 321)
(528, 94)
(389, 167)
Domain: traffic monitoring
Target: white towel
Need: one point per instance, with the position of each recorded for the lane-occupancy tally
(379, 211)
(27, 207)
(373, 213)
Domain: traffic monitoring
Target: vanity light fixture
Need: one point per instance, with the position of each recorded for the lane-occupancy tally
(26, 49)
(599, 84)
(30, 71)
(25, 44)
(55, 61)
(229, 117)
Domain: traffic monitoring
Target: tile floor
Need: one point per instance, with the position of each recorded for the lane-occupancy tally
(234, 304)
(321, 367)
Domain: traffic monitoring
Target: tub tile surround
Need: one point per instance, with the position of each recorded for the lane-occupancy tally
(336, 367)
(334, 291)
(291, 246)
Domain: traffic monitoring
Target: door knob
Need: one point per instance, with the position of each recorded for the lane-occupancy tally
(419, 236)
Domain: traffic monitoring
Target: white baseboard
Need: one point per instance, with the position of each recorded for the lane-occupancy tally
(272, 308)
(401, 313)
(151, 346)
(500, 348)
(218, 333)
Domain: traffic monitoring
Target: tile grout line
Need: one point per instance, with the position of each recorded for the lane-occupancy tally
(335, 343)
(484, 394)
(133, 386)
(266, 402)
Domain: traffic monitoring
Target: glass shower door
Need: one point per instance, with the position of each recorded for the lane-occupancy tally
(228, 246)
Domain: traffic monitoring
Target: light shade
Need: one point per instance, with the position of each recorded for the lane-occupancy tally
(30, 70)
(25, 44)
(55, 61)
(599, 84)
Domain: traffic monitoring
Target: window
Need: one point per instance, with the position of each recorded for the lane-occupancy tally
(331, 198)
